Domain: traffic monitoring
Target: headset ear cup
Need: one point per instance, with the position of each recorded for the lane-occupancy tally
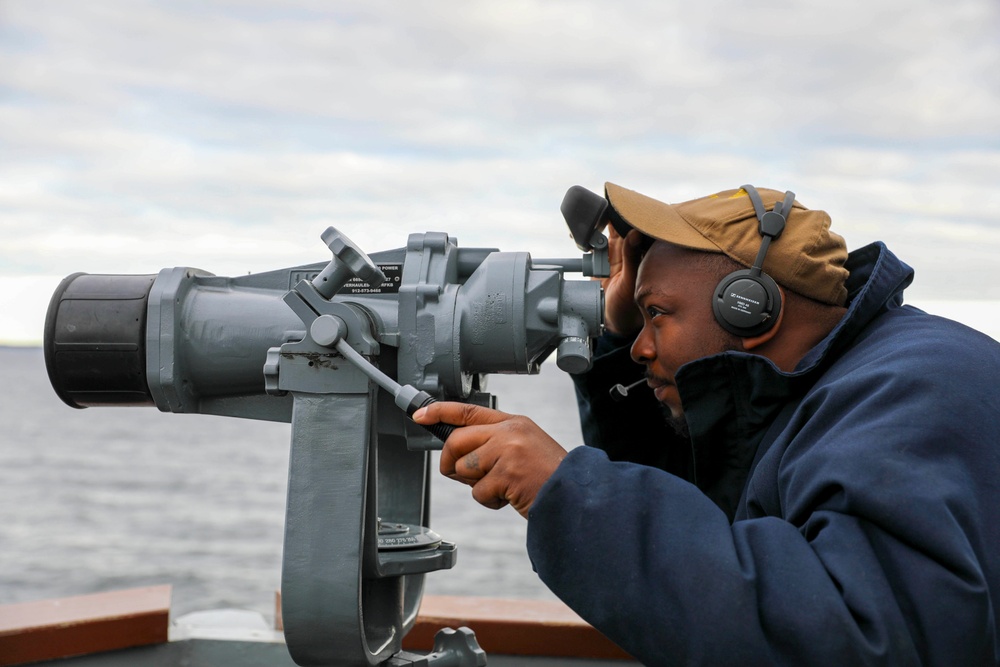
(746, 305)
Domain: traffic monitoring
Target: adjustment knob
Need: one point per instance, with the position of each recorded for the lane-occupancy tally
(327, 329)
(348, 261)
(573, 355)
(271, 372)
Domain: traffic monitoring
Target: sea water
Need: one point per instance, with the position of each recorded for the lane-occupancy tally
(109, 498)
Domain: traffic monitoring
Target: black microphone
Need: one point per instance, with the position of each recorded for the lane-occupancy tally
(619, 392)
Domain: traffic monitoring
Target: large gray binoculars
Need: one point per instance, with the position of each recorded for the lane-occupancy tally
(343, 350)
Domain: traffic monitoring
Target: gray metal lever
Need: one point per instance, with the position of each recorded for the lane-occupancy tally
(328, 330)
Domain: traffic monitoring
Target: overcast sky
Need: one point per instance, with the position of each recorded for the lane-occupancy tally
(228, 135)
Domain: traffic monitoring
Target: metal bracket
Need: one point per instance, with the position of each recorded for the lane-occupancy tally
(346, 602)
(452, 648)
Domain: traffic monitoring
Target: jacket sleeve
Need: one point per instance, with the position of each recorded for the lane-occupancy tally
(881, 547)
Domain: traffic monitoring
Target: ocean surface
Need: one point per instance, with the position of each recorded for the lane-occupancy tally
(109, 498)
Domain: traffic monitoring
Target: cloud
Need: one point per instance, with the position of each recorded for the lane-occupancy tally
(228, 135)
(883, 70)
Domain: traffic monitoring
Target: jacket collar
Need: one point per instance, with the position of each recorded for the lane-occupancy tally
(731, 398)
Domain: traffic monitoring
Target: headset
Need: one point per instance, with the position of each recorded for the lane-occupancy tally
(747, 302)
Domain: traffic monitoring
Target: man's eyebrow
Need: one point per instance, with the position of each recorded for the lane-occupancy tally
(646, 291)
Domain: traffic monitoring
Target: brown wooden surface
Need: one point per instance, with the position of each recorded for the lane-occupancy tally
(512, 627)
(506, 626)
(84, 624)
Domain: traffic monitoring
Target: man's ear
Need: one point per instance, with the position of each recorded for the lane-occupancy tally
(758, 340)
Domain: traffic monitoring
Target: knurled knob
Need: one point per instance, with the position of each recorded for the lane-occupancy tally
(348, 260)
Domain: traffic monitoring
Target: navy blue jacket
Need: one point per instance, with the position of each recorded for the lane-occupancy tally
(847, 513)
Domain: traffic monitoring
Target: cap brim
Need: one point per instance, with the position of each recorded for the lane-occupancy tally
(656, 219)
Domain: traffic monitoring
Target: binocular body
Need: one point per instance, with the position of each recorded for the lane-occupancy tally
(334, 348)
(187, 341)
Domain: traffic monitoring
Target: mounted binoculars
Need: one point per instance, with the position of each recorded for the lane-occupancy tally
(343, 350)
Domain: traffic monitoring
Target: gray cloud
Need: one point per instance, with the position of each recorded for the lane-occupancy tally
(228, 135)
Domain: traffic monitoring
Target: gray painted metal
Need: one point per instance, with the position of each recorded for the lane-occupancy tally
(214, 652)
(431, 316)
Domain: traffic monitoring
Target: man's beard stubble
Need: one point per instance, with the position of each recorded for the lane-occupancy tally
(678, 424)
(726, 342)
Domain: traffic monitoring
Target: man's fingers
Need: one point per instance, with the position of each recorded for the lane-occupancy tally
(612, 232)
(464, 440)
(488, 494)
(460, 454)
(631, 256)
(473, 465)
(458, 414)
(506, 459)
(463, 480)
(615, 250)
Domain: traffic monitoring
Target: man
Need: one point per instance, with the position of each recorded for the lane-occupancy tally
(825, 491)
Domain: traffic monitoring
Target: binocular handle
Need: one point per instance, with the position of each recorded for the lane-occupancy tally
(349, 261)
(329, 330)
(440, 430)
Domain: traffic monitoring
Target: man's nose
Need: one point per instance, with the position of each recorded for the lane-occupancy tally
(642, 350)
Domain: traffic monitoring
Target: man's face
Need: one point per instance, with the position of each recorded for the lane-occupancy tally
(674, 292)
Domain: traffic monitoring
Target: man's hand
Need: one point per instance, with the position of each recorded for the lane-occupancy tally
(504, 458)
(621, 316)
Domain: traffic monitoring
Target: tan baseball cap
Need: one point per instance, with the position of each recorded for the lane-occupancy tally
(807, 258)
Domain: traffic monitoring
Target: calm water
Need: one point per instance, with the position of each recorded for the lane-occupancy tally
(109, 498)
